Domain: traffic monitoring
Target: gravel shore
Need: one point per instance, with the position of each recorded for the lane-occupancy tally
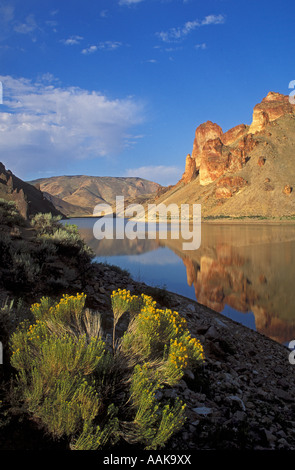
(243, 398)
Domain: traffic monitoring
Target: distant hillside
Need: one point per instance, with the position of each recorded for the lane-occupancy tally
(78, 195)
(29, 199)
(245, 172)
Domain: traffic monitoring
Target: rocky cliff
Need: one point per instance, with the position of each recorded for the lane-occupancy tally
(248, 170)
(29, 199)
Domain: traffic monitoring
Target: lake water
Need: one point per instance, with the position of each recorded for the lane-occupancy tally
(245, 272)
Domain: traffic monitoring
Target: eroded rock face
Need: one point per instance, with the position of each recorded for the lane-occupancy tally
(215, 152)
(214, 161)
(273, 106)
(228, 186)
(206, 131)
(190, 171)
(217, 159)
(233, 134)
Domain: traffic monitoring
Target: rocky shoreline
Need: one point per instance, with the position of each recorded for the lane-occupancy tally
(243, 398)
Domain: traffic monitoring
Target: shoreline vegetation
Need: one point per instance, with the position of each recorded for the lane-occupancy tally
(94, 360)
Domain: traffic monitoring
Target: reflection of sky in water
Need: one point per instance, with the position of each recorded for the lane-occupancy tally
(247, 266)
(161, 268)
(247, 319)
(157, 268)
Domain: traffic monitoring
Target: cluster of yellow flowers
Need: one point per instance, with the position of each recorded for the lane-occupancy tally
(123, 294)
(34, 330)
(68, 304)
(163, 321)
(178, 354)
(156, 327)
(122, 300)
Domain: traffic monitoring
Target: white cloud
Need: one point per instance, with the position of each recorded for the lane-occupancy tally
(89, 50)
(109, 45)
(72, 40)
(44, 126)
(202, 46)
(106, 46)
(213, 19)
(167, 174)
(27, 27)
(176, 34)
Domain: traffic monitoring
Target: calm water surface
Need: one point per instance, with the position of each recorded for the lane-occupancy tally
(245, 272)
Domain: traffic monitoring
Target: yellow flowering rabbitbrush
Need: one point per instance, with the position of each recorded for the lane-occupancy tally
(73, 382)
(162, 334)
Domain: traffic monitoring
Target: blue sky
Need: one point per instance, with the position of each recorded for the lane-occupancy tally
(118, 87)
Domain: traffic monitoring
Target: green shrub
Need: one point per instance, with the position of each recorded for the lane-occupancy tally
(56, 367)
(46, 223)
(69, 243)
(82, 389)
(153, 424)
(162, 335)
(9, 214)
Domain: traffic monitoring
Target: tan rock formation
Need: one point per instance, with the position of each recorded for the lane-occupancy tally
(215, 152)
(217, 159)
(206, 131)
(190, 171)
(228, 186)
(214, 161)
(273, 106)
(233, 134)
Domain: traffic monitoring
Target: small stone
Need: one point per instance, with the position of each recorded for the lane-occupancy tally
(203, 410)
(283, 444)
(212, 333)
(287, 189)
(196, 422)
(189, 374)
(234, 398)
(281, 434)
(221, 323)
(240, 416)
(191, 307)
(271, 439)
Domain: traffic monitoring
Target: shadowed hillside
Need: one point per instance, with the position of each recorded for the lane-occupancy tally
(29, 199)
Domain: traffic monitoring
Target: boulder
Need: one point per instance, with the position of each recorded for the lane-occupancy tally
(287, 189)
(261, 161)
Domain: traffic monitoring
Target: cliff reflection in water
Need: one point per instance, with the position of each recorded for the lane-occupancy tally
(249, 268)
